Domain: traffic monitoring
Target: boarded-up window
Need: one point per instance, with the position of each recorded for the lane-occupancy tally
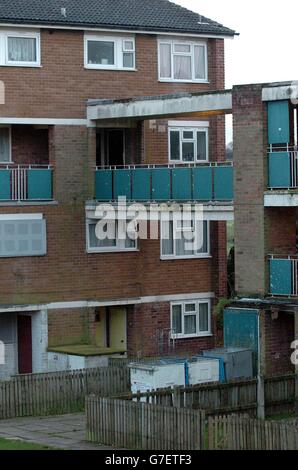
(22, 237)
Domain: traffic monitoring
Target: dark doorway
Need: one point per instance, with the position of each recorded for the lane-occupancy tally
(25, 344)
(110, 147)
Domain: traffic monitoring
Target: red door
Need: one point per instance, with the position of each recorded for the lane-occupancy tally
(24, 344)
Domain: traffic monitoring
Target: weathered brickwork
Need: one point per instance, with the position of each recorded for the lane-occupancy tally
(29, 145)
(70, 326)
(250, 151)
(279, 334)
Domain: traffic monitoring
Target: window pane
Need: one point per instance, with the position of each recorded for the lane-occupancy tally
(190, 324)
(175, 145)
(94, 242)
(4, 144)
(204, 318)
(190, 307)
(165, 61)
(200, 66)
(182, 48)
(128, 60)
(21, 49)
(128, 45)
(167, 238)
(201, 146)
(182, 67)
(202, 236)
(101, 52)
(187, 134)
(176, 319)
(188, 151)
(184, 246)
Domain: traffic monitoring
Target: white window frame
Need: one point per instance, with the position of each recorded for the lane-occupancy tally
(192, 44)
(197, 303)
(119, 51)
(175, 229)
(9, 143)
(120, 243)
(195, 128)
(4, 35)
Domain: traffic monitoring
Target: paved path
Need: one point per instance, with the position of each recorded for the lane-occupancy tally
(64, 431)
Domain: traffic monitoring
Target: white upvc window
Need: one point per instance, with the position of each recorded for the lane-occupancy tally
(191, 319)
(20, 48)
(181, 239)
(182, 61)
(109, 52)
(121, 236)
(5, 144)
(188, 144)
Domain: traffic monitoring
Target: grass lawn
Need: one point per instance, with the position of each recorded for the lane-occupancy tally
(7, 444)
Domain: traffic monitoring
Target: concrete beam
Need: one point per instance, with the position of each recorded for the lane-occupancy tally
(283, 92)
(280, 199)
(191, 105)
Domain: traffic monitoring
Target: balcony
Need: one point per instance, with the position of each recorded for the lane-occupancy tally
(283, 276)
(283, 169)
(20, 183)
(211, 182)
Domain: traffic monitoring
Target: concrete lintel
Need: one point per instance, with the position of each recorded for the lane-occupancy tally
(275, 93)
(211, 212)
(285, 199)
(158, 107)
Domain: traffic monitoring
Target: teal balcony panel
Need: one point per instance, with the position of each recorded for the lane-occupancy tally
(161, 184)
(278, 122)
(223, 183)
(104, 185)
(181, 184)
(122, 184)
(279, 170)
(280, 276)
(40, 185)
(202, 183)
(5, 191)
(141, 184)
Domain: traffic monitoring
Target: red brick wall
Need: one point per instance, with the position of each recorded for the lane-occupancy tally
(70, 326)
(281, 230)
(145, 321)
(279, 334)
(60, 88)
(29, 145)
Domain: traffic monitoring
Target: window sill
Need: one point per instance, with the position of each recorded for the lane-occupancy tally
(112, 69)
(203, 335)
(177, 258)
(171, 80)
(33, 66)
(109, 251)
(28, 203)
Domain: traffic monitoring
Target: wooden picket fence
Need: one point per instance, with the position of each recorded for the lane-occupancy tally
(59, 392)
(240, 433)
(225, 398)
(132, 425)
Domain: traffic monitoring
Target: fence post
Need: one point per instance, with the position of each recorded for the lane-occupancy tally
(261, 397)
(176, 397)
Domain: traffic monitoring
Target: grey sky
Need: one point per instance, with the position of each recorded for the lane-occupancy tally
(265, 51)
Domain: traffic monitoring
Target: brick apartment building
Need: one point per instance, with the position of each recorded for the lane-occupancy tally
(66, 299)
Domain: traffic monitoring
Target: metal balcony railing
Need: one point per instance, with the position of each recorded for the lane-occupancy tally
(25, 182)
(283, 271)
(283, 167)
(186, 182)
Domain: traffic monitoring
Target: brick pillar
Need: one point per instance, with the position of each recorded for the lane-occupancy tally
(72, 150)
(249, 180)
